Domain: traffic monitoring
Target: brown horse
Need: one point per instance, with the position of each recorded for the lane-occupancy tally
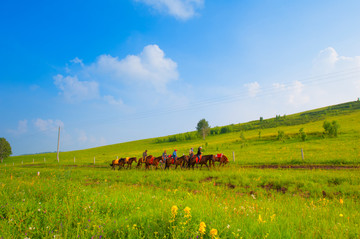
(141, 161)
(120, 162)
(152, 161)
(129, 162)
(180, 161)
(222, 159)
(203, 161)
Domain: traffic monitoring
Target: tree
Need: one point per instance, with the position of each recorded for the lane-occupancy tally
(203, 128)
(5, 149)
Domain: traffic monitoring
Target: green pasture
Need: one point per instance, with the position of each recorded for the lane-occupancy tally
(43, 198)
(90, 202)
(249, 146)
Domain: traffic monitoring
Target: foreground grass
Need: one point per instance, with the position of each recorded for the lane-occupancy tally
(85, 202)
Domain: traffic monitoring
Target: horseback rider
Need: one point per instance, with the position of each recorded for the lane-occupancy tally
(164, 156)
(198, 155)
(174, 155)
(191, 152)
(144, 155)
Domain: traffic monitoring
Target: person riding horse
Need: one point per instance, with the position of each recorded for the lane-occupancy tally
(198, 155)
(164, 156)
(174, 155)
(191, 153)
(144, 155)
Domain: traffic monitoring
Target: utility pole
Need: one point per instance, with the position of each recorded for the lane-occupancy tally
(57, 157)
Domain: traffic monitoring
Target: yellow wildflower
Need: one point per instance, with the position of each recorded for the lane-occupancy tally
(202, 228)
(341, 201)
(187, 212)
(341, 215)
(174, 210)
(273, 217)
(260, 220)
(213, 233)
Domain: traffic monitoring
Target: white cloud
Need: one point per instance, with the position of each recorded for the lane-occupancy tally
(112, 101)
(21, 129)
(279, 86)
(149, 67)
(181, 9)
(296, 94)
(76, 60)
(48, 125)
(253, 88)
(75, 90)
(328, 61)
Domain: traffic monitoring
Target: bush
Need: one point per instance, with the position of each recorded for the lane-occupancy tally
(302, 134)
(226, 129)
(331, 129)
(281, 135)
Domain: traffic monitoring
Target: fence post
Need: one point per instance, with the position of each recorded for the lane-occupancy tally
(234, 156)
(94, 160)
(44, 160)
(22, 162)
(302, 154)
(74, 159)
(33, 161)
(13, 164)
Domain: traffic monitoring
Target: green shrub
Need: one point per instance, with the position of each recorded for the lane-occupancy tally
(281, 135)
(331, 129)
(302, 134)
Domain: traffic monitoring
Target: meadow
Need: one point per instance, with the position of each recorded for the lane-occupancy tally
(90, 202)
(248, 146)
(43, 198)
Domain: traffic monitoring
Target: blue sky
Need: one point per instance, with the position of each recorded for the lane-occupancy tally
(115, 71)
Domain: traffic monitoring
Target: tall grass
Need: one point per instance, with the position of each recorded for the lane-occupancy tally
(65, 202)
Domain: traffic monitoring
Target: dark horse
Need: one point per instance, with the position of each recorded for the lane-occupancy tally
(152, 161)
(222, 159)
(204, 160)
(181, 161)
(129, 162)
(120, 162)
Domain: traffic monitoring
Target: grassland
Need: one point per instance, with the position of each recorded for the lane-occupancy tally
(63, 200)
(66, 202)
(248, 147)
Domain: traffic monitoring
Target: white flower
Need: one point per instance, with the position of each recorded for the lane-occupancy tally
(39, 209)
(228, 226)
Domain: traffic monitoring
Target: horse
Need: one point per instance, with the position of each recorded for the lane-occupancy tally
(120, 162)
(180, 161)
(130, 161)
(141, 160)
(150, 160)
(203, 160)
(222, 159)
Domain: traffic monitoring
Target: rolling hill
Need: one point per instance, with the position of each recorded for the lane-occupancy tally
(265, 141)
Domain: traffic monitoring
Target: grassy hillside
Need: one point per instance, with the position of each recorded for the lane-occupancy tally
(253, 143)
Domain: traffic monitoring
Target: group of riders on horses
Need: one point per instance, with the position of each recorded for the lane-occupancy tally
(174, 156)
(172, 159)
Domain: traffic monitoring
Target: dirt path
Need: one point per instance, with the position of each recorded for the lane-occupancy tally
(336, 167)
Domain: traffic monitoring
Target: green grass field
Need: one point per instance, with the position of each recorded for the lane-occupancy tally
(252, 150)
(67, 202)
(82, 200)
